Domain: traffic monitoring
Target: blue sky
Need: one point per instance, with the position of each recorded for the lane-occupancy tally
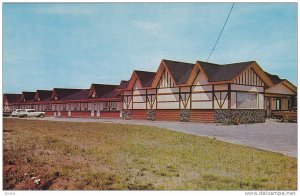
(74, 45)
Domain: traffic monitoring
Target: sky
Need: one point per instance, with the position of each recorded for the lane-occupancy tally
(58, 45)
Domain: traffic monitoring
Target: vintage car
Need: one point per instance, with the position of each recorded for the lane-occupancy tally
(16, 112)
(290, 116)
(31, 113)
(6, 113)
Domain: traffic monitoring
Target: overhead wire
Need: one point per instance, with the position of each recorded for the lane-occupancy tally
(220, 32)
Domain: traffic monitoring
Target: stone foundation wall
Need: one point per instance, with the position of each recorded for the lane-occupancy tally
(151, 115)
(239, 116)
(184, 115)
(126, 114)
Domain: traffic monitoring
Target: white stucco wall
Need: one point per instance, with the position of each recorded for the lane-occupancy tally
(200, 79)
(174, 97)
(201, 96)
(202, 88)
(280, 89)
(247, 88)
(168, 105)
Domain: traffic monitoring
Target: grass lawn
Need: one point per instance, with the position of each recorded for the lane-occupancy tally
(68, 155)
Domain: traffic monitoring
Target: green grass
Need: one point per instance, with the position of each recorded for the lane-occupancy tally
(109, 156)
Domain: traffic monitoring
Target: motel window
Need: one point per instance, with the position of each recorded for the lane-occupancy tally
(96, 106)
(50, 107)
(84, 106)
(246, 101)
(278, 104)
(113, 105)
(76, 107)
(106, 106)
(63, 107)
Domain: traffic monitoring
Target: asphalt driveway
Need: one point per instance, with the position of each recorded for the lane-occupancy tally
(270, 136)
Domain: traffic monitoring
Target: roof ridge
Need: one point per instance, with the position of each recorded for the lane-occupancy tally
(105, 84)
(69, 88)
(238, 62)
(178, 61)
(43, 90)
(208, 62)
(143, 71)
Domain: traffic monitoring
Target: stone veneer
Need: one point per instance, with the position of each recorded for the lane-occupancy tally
(151, 115)
(184, 115)
(126, 114)
(239, 116)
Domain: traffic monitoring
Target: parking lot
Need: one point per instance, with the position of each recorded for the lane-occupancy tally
(270, 136)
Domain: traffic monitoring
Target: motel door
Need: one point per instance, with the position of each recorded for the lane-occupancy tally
(97, 109)
(94, 109)
(69, 109)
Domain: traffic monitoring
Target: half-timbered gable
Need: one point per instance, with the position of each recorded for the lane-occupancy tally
(249, 77)
(136, 95)
(11, 101)
(170, 79)
(27, 99)
(201, 90)
(59, 93)
(43, 95)
(166, 80)
(42, 98)
(27, 96)
(104, 97)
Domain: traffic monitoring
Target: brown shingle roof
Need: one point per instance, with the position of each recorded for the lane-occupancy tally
(13, 98)
(82, 94)
(44, 95)
(145, 77)
(28, 96)
(216, 72)
(123, 84)
(105, 90)
(179, 70)
(274, 78)
(64, 92)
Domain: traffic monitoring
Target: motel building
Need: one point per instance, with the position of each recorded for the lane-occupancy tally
(11, 102)
(27, 100)
(178, 91)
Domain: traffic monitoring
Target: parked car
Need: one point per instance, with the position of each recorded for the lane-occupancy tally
(5, 113)
(290, 116)
(31, 113)
(16, 112)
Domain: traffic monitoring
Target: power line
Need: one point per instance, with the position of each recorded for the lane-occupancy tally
(220, 33)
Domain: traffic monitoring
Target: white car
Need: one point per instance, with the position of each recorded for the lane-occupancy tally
(31, 113)
(16, 112)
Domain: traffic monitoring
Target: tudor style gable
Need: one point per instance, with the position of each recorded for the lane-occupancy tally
(249, 77)
(92, 92)
(166, 80)
(197, 77)
(253, 75)
(172, 74)
(27, 96)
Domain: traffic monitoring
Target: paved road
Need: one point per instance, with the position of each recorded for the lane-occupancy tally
(271, 136)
